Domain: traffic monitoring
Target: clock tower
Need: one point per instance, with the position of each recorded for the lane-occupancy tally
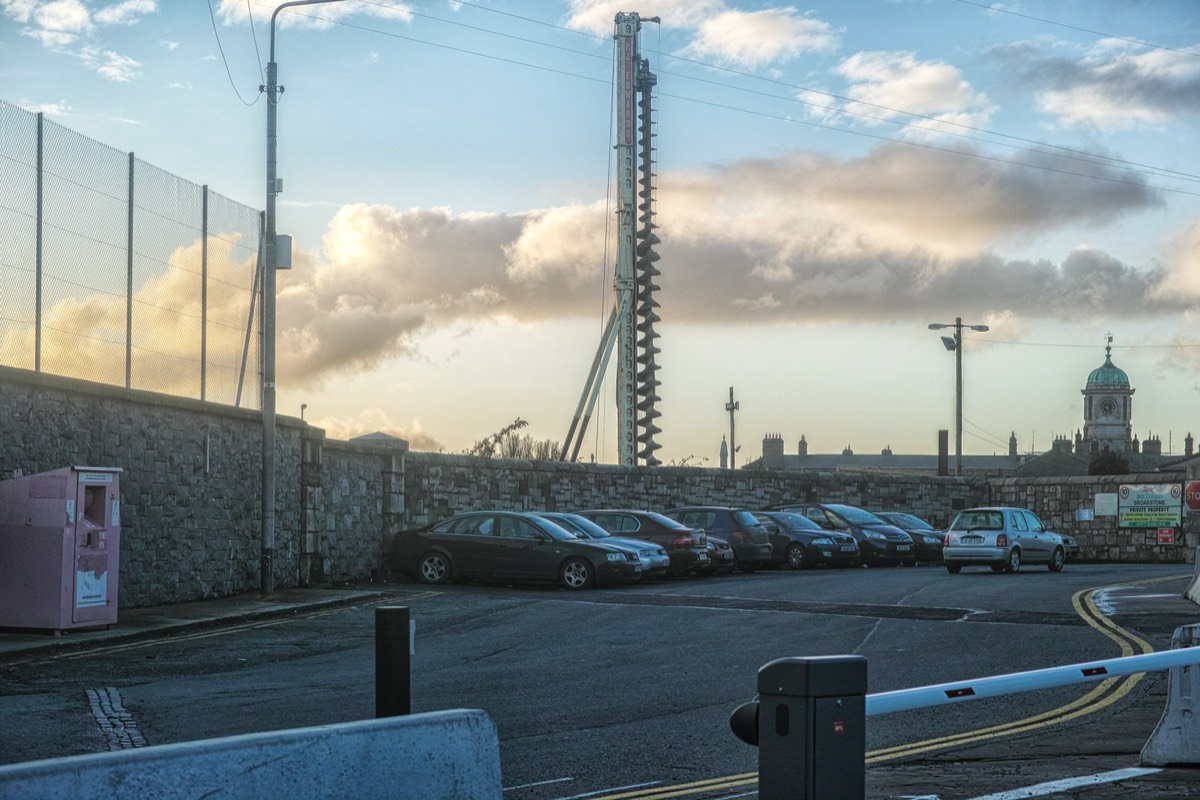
(1108, 407)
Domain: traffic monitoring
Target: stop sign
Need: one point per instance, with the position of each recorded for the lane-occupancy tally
(1191, 495)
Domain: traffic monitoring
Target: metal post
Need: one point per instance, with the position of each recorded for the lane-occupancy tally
(731, 407)
(41, 222)
(958, 395)
(273, 89)
(393, 673)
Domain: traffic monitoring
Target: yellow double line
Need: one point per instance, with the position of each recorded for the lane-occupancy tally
(1103, 695)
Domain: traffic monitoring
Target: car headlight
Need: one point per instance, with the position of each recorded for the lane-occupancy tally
(822, 540)
(616, 556)
(875, 535)
(933, 540)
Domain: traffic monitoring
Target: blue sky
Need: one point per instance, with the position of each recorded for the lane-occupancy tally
(831, 178)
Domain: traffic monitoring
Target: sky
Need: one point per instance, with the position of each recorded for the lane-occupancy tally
(831, 178)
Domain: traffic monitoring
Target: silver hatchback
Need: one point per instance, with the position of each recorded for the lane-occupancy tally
(1002, 538)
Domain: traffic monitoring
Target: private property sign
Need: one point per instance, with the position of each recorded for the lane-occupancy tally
(1150, 505)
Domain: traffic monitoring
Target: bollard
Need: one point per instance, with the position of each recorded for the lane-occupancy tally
(811, 728)
(393, 674)
(1176, 738)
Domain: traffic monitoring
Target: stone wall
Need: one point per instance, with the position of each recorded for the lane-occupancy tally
(190, 486)
(437, 485)
(191, 489)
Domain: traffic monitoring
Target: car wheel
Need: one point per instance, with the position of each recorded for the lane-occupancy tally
(954, 569)
(1014, 562)
(795, 557)
(748, 568)
(576, 573)
(1057, 560)
(434, 567)
(912, 563)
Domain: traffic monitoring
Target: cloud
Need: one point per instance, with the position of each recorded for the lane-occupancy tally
(748, 39)
(63, 23)
(84, 334)
(376, 420)
(1114, 84)
(901, 233)
(236, 12)
(882, 81)
(752, 39)
(125, 13)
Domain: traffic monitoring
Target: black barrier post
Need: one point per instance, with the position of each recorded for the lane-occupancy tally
(810, 727)
(392, 671)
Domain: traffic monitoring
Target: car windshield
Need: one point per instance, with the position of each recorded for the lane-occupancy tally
(858, 516)
(552, 528)
(797, 522)
(581, 525)
(744, 518)
(909, 521)
(667, 522)
(978, 520)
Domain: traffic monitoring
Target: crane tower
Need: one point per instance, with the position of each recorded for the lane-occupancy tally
(631, 323)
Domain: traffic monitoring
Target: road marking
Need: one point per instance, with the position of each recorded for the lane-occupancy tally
(1067, 784)
(611, 789)
(538, 783)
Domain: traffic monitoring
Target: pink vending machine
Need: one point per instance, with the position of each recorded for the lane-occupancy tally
(60, 543)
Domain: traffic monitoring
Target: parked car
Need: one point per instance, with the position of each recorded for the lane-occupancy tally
(737, 526)
(510, 545)
(655, 561)
(879, 543)
(1002, 538)
(686, 546)
(927, 540)
(799, 543)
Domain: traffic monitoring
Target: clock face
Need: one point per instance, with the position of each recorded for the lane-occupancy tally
(1108, 407)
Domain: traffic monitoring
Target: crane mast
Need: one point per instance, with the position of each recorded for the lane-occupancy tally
(631, 323)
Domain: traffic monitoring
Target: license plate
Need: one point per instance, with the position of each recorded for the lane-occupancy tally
(848, 548)
(704, 556)
(903, 548)
(971, 540)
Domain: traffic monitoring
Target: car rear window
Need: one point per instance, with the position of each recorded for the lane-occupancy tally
(744, 518)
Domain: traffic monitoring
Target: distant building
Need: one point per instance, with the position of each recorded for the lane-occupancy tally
(1107, 424)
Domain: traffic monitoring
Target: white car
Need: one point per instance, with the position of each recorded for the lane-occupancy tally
(1002, 538)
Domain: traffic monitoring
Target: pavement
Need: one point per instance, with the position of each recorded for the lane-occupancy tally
(1092, 760)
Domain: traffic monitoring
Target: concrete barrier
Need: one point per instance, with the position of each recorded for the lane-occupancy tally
(1176, 738)
(435, 756)
(1192, 592)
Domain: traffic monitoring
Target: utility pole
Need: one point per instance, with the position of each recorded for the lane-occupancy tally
(955, 344)
(270, 263)
(732, 407)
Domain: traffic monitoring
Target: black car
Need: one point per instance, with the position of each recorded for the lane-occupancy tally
(745, 534)
(720, 557)
(686, 546)
(879, 543)
(799, 543)
(927, 540)
(510, 545)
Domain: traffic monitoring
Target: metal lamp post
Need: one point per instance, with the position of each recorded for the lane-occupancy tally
(955, 344)
(270, 261)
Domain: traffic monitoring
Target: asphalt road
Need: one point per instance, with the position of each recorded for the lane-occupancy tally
(626, 690)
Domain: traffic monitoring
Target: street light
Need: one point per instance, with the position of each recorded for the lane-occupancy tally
(270, 262)
(955, 344)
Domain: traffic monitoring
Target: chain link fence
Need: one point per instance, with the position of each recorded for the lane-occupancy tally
(114, 271)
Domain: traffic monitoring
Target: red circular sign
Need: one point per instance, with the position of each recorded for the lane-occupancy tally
(1191, 495)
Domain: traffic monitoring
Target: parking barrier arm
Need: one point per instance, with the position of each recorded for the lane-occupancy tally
(960, 691)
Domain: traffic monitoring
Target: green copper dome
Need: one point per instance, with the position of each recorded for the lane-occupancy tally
(1108, 374)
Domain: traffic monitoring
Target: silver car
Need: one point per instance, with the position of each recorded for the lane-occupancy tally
(655, 561)
(1002, 538)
